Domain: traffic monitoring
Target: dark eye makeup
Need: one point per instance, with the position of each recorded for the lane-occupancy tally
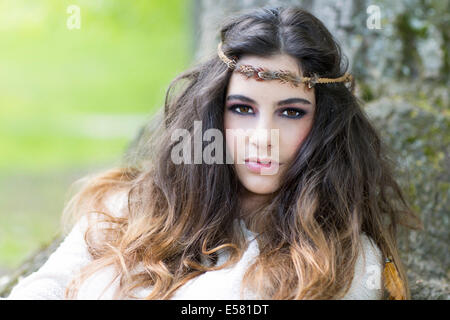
(241, 109)
(245, 110)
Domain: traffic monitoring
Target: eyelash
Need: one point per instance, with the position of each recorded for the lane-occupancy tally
(234, 107)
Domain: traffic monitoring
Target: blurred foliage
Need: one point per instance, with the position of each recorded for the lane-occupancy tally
(72, 100)
(56, 83)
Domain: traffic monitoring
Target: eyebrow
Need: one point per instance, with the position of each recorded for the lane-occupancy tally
(279, 103)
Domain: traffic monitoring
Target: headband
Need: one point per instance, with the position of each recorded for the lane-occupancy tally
(284, 76)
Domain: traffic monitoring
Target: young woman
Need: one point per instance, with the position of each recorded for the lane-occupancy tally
(307, 208)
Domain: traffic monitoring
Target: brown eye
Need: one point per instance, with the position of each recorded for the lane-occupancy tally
(241, 109)
(244, 109)
(293, 113)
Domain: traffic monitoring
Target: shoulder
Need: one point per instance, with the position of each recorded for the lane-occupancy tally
(117, 203)
(114, 206)
(367, 279)
(72, 254)
(370, 254)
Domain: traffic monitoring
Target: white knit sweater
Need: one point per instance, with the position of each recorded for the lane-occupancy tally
(50, 281)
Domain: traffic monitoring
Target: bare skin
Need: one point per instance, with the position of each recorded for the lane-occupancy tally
(266, 105)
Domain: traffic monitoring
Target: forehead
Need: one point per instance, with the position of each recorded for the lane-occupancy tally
(268, 89)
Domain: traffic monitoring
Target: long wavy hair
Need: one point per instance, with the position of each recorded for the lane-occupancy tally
(179, 217)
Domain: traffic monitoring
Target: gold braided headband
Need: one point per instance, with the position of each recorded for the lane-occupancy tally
(284, 76)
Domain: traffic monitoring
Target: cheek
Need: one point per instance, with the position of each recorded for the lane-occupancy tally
(229, 139)
(235, 131)
(228, 125)
(232, 121)
(235, 143)
(292, 137)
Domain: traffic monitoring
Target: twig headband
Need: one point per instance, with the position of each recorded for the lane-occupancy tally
(261, 74)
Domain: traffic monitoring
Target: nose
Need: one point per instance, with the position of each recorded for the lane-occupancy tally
(260, 135)
(259, 138)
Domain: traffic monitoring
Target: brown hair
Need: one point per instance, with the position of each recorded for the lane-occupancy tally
(340, 185)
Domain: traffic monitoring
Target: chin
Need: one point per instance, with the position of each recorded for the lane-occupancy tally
(260, 184)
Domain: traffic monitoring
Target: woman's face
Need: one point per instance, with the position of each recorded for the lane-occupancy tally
(262, 109)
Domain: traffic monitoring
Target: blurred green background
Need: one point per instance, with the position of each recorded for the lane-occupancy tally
(71, 100)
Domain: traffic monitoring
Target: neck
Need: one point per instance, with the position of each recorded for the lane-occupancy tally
(250, 202)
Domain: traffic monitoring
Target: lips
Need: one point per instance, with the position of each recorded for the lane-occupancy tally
(262, 161)
(262, 165)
